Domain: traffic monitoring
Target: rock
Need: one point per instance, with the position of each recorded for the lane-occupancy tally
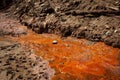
(108, 33)
(107, 27)
(115, 31)
(67, 45)
(54, 42)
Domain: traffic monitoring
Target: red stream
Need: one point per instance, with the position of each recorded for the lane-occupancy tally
(75, 59)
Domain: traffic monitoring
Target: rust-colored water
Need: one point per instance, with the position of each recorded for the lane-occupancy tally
(76, 59)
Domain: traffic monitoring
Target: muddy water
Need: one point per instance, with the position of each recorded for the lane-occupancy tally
(75, 59)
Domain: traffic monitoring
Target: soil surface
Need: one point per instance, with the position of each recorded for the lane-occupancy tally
(95, 20)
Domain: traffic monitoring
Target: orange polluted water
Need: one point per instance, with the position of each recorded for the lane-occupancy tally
(75, 59)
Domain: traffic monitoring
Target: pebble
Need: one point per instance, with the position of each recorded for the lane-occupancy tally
(67, 45)
(107, 27)
(55, 42)
(115, 31)
(108, 33)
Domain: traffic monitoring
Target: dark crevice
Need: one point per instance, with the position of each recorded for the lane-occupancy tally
(5, 4)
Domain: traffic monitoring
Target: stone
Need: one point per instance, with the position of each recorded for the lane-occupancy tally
(55, 42)
(67, 45)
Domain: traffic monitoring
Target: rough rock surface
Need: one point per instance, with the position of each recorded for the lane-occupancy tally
(96, 20)
(18, 63)
(10, 26)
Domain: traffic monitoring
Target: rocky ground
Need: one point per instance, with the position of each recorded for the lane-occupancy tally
(17, 62)
(20, 63)
(95, 20)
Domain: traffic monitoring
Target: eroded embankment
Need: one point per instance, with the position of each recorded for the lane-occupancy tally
(95, 20)
(75, 58)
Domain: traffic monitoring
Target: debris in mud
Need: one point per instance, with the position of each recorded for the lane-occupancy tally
(17, 62)
(77, 18)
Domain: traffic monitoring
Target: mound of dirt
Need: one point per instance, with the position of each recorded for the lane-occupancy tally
(96, 20)
(19, 63)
